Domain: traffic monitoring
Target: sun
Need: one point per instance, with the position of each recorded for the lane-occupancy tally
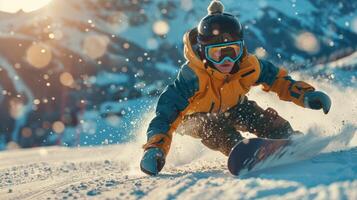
(13, 6)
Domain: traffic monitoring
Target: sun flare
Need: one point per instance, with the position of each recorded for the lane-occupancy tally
(14, 6)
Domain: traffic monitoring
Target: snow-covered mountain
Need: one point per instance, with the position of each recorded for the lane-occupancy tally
(66, 69)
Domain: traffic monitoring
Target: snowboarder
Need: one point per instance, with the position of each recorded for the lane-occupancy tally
(209, 92)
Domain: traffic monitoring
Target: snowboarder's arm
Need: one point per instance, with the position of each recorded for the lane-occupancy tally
(173, 100)
(277, 80)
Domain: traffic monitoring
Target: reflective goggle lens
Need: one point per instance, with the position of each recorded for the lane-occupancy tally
(218, 53)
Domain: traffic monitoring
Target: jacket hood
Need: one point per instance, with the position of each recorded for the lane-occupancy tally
(190, 48)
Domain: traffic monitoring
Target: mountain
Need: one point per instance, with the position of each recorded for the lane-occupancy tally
(67, 68)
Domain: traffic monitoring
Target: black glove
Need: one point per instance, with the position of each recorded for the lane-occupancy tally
(153, 161)
(317, 100)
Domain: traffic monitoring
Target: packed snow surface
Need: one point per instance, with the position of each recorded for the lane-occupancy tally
(112, 172)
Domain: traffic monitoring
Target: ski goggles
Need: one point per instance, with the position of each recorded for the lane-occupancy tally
(218, 53)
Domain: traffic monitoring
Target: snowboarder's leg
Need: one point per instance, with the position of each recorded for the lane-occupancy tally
(264, 123)
(215, 131)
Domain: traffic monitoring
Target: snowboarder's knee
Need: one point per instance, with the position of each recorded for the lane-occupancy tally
(224, 141)
(272, 125)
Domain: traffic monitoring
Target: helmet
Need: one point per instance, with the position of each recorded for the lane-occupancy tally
(218, 27)
(221, 34)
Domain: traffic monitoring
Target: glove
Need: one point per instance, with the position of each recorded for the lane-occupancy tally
(153, 161)
(317, 100)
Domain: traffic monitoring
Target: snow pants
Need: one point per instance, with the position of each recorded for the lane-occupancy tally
(220, 132)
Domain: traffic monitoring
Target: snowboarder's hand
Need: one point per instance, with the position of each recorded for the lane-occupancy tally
(153, 161)
(317, 100)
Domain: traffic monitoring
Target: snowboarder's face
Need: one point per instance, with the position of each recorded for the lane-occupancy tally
(225, 67)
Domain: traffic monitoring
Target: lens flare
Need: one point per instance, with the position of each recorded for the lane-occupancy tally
(14, 6)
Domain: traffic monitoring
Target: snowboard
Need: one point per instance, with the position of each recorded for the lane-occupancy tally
(248, 153)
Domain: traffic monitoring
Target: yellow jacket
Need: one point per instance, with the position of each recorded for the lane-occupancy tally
(199, 88)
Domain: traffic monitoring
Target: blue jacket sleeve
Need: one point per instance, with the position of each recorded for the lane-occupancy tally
(277, 80)
(173, 100)
(268, 73)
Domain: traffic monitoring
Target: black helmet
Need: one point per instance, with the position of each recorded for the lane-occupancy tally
(218, 27)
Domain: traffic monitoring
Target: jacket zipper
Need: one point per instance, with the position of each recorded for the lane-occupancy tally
(220, 100)
(212, 106)
(220, 95)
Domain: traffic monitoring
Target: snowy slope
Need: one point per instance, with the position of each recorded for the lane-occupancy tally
(112, 172)
(192, 171)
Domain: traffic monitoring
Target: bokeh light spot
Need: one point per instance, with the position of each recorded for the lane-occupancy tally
(38, 55)
(161, 27)
(66, 79)
(12, 145)
(260, 52)
(16, 108)
(36, 101)
(95, 46)
(354, 25)
(26, 132)
(307, 42)
(152, 43)
(58, 127)
(186, 5)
